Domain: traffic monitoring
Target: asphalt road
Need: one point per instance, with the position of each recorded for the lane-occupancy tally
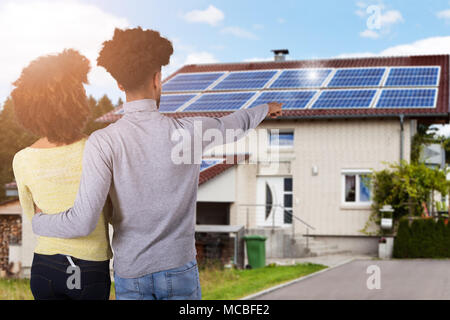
(399, 279)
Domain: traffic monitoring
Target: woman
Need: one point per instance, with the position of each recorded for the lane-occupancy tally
(50, 101)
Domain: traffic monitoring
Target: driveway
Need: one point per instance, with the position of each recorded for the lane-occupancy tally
(399, 279)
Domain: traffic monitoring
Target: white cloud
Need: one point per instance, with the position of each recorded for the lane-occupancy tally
(433, 45)
(239, 32)
(369, 34)
(444, 14)
(200, 58)
(281, 20)
(211, 16)
(391, 17)
(258, 59)
(379, 21)
(258, 26)
(35, 28)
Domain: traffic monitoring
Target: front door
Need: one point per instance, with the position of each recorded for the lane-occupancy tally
(275, 200)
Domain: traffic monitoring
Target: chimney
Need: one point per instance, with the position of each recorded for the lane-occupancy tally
(280, 54)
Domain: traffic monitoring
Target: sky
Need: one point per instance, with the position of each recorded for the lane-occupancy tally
(206, 31)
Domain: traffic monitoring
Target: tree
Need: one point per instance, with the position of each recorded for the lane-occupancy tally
(13, 138)
(98, 109)
(405, 187)
(426, 134)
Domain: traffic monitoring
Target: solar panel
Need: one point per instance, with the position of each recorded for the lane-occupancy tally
(342, 99)
(291, 100)
(304, 78)
(245, 80)
(191, 82)
(171, 102)
(220, 102)
(407, 98)
(369, 77)
(413, 77)
(206, 164)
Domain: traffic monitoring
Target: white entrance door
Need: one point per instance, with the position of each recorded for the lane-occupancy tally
(275, 193)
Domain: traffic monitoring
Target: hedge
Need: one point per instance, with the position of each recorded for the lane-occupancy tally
(422, 238)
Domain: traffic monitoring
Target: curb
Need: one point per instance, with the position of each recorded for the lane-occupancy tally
(265, 291)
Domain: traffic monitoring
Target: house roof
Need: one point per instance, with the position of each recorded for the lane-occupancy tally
(218, 169)
(440, 114)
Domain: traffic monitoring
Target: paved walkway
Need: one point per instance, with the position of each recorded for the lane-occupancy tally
(400, 279)
(329, 261)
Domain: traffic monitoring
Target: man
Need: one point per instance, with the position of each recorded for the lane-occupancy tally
(154, 199)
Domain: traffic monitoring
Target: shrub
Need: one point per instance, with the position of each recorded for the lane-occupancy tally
(423, 238)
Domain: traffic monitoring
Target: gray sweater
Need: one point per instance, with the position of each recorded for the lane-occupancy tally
(154, 199)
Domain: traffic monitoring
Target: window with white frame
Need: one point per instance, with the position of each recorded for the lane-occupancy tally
(288, 200)
(357, 187)
(281, 138)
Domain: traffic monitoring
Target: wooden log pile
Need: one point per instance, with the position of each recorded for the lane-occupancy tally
(10, 233)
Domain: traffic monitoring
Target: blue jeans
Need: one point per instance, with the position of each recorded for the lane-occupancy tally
(180, 283)
(49, 279)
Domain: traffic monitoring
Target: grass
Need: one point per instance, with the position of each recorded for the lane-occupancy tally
(232, 284)
(217, 283)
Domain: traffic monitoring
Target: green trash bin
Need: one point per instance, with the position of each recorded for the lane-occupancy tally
(256, 251)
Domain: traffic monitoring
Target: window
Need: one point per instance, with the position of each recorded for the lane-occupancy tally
(269, 201)
(288, 196)
(357, 187)
(281, 138)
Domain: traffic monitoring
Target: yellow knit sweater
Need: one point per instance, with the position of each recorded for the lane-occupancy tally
(50, 178)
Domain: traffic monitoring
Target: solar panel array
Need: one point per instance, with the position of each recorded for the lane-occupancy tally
(245, 80)
(212, 102)
(171, 103)
(192, 82)
(308, 88)
(415, 77)
(305, 78)
(408, 98)
(341, 99)
(206, 164)
(357, 78)
(293, 100)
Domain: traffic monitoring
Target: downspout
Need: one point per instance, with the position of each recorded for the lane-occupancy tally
(402, 133)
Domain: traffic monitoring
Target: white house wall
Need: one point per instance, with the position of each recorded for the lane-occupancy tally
(220, 189)
(331, 146)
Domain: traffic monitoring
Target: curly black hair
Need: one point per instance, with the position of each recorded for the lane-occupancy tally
(134, 55)
(50, 99)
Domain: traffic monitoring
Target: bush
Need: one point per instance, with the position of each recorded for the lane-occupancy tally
(406, 187)
(423, 238)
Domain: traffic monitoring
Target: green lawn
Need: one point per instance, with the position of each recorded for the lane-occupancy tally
(234, 284)
(217, 284)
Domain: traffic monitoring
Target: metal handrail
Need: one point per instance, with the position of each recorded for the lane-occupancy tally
(284, 208)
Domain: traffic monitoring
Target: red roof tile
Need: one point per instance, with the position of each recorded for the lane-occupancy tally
(439, 114)
(218, 169)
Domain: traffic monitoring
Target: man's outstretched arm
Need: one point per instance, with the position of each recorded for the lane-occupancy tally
(240, 120)
(82, 218)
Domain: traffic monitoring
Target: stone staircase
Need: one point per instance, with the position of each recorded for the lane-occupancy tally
(280, 244)
(315, 247)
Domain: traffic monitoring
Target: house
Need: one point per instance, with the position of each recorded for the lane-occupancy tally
(303, 179)
(343, 119)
